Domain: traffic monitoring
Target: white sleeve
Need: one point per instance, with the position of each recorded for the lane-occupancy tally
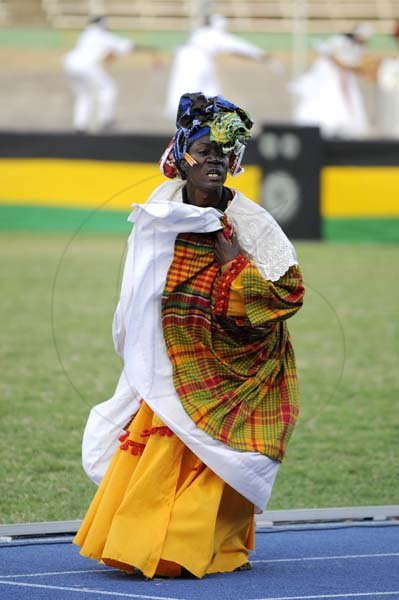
(226, 42)
(119, 45)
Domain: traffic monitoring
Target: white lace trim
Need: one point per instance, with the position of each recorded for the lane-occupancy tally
(259, 235)
(261, 238)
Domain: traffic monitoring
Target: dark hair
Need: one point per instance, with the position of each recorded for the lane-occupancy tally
(98, 19)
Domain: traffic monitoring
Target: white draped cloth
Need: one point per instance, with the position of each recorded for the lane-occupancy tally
(138, 336)
(328, 95)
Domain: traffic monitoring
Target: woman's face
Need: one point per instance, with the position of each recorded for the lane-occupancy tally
(211, 169)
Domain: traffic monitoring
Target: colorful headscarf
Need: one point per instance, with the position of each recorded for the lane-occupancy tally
(199, 115)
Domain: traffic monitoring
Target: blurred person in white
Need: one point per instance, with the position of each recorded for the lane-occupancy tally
(328, 94)
(194, 67)
(93, 88)
(388, 92)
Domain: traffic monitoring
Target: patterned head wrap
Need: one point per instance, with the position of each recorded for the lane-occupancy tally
(199, 115)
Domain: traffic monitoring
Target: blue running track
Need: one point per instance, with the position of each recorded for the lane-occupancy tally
(297, 563)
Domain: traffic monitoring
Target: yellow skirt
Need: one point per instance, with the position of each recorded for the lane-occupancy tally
(160, 509)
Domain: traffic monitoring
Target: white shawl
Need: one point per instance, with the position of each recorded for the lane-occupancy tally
(138, 336)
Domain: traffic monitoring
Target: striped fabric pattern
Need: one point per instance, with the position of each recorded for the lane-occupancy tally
(234, 375)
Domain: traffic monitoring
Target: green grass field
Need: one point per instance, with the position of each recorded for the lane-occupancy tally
(58, 361)
(48, 37)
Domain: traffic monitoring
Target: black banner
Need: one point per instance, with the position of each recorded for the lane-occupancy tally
(291, 162)
(117, 147)
(291, 159)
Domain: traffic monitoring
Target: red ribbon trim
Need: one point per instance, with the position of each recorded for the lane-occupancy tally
(157, 430)
(222, 290)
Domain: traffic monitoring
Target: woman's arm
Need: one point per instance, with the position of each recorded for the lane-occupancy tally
(242, 291)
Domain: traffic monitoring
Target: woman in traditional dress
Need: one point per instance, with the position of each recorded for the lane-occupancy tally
(209, 386)
(328, 94)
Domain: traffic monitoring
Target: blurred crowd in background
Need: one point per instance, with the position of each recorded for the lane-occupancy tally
(338, 82)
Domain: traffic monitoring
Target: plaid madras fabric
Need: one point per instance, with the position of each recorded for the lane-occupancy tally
(235, 376)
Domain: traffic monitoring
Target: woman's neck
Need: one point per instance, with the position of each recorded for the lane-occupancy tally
(206, 198)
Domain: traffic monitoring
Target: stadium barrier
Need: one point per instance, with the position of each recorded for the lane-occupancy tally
(316, 189)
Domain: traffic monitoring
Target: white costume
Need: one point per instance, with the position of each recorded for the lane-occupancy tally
(328, 95)
(388, 97)
(89, 81)
(138, 335)
(194, 69)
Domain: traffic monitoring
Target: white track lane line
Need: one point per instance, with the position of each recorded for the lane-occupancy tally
(272, 560)
(348, 595)
(146, 597)
(86, 591)
(342, 556)
(109, 570)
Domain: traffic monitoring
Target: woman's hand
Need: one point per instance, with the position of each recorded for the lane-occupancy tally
(226, 250)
